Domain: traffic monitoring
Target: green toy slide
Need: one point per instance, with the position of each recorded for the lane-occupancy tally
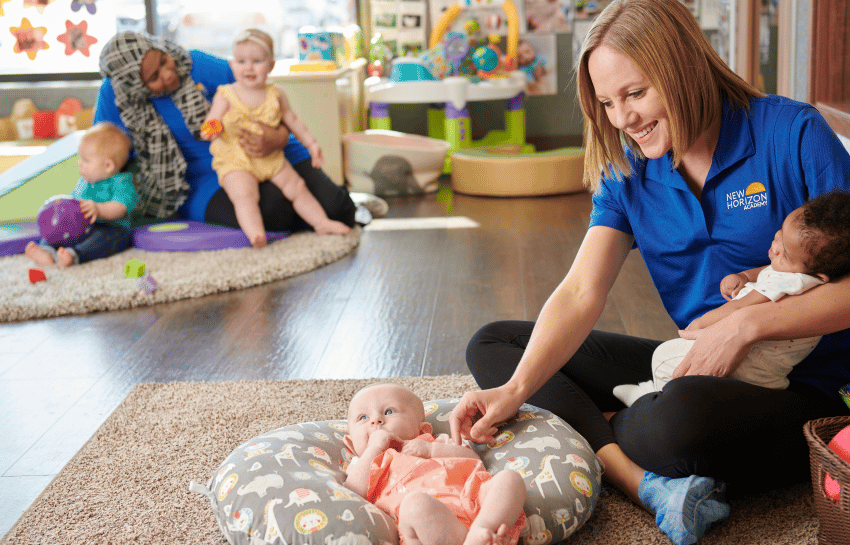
(25, 186)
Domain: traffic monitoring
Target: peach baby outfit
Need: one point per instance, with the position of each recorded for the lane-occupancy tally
(227, 154)
(456, 482)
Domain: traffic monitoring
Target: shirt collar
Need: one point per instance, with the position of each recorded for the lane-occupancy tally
(735, 143)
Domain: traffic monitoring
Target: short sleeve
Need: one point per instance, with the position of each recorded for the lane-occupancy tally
(776, 285)
(607, 210)
(124, 192)
(823, 163)
(105, 108)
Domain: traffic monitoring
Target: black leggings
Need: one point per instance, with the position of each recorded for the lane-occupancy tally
(697, 425)
(277, 211)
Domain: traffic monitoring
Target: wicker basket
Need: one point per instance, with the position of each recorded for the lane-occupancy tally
(834, 516)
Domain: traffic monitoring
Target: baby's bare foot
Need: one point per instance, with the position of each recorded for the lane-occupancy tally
(38, 254)
(65, 258)
(332, 227)
(258, 241)
(483, 536)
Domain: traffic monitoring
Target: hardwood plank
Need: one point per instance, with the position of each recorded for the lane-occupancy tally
(30, 408)
(382, 329)
(59, 443)
(18, 494)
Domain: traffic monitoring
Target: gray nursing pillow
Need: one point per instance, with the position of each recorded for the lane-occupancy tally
(284, 486)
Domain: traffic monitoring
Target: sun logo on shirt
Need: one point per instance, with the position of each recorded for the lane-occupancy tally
(755, 187)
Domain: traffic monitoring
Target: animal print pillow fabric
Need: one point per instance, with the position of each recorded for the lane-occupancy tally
(283, 487)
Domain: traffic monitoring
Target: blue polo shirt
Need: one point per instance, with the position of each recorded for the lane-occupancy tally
(768, 161)
(209, 72)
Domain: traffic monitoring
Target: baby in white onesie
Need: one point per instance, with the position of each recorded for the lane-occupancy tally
(805, 253)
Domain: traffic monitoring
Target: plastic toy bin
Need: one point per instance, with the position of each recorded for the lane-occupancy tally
(833, 516)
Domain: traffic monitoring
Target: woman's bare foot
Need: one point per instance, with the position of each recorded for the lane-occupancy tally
(65, 259)
(332, 227)
(483, 536)
(38, 254)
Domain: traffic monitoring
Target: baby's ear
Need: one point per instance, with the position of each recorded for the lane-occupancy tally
(824, 278)
(426, 428)
(348, 444)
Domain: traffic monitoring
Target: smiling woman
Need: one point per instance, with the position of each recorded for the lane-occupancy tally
(672, 136)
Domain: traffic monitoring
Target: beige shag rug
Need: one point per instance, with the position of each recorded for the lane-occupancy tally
(129, 483)
(101, 284)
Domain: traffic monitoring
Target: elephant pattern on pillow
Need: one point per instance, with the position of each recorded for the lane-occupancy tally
(284, 486)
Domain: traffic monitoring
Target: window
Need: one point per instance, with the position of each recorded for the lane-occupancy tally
(44, 40)
(829, 75)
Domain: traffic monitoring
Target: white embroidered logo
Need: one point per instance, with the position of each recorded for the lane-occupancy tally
(754, 196)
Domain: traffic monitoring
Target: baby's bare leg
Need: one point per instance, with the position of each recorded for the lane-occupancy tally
(424, 520)
(243, 190)
(502, 498)
(295, 189)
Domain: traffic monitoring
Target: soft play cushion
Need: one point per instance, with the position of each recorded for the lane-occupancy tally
(284, 486)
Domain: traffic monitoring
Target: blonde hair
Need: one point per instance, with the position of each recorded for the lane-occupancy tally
(110, 141)
(665, 42)
(257, 36)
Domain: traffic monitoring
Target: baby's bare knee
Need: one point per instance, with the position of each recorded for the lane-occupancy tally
(414, 505)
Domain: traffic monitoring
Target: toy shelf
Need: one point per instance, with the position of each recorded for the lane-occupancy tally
(451, 122)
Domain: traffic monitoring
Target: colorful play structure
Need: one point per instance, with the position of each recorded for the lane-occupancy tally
(460, 67)
(441, 77)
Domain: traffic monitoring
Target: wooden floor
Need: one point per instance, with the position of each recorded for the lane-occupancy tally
(403, 303)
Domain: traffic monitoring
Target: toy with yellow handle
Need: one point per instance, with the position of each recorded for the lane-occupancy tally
(445, 21)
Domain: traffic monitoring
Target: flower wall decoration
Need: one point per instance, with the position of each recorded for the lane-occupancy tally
(29, 39)
(76, 38)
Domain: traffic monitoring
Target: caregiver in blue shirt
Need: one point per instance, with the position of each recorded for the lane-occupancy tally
(696, 169)
(160, 93)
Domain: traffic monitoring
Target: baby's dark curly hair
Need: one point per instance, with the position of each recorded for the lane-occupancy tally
(826, 233)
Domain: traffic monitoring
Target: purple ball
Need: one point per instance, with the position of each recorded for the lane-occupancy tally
(61, 221)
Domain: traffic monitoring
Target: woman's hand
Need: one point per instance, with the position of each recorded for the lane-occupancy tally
(477, 413)
(718, 350)
(267, 141)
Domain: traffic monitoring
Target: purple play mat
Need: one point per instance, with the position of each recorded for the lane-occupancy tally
(193, 236)
(170, 236)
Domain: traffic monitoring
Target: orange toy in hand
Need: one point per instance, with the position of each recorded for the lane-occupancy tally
(211, 128)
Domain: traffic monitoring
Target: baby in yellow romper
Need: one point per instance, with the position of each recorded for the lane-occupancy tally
(238, 105)
(436, 491)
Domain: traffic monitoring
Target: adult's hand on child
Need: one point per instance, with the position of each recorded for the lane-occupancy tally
(718, 350)
(89, 210)
(477, 413)
(268, 140)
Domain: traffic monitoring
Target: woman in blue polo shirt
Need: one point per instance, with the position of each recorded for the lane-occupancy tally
(160, 94)
(697, 169)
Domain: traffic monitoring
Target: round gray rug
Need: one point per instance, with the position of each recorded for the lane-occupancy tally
(101, 284)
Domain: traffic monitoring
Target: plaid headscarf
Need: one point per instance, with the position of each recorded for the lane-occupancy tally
(161, 183)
